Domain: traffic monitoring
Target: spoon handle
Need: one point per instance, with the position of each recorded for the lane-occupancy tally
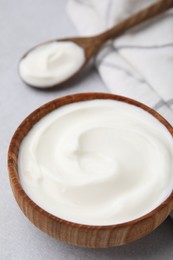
(136, 19)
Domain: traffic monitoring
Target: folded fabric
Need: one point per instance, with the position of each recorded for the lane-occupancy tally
(138, 64)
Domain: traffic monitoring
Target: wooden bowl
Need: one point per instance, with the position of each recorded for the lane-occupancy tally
(73, 233)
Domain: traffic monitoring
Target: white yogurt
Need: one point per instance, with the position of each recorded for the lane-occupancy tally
(51, 63)
(97, 162)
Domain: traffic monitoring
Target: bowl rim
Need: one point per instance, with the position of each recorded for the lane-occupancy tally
(79, 97)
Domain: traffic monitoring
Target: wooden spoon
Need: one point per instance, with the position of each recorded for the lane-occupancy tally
(91, 45)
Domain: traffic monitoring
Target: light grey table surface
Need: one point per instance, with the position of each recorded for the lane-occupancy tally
(22, 25)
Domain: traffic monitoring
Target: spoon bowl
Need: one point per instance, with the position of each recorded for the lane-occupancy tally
(84, 42)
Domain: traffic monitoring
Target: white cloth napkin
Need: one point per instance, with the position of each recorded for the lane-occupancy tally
(138, 64)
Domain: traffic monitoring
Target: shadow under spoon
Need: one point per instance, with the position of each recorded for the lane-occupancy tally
(91, 45)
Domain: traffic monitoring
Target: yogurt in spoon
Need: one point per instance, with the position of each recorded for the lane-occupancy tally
(51, 63)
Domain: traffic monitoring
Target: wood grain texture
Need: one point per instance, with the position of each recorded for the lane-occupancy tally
(77, 234)
(91, 45)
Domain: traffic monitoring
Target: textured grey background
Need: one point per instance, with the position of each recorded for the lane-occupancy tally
(22, 25)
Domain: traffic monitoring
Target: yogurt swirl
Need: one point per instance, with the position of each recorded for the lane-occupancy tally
(97, 162)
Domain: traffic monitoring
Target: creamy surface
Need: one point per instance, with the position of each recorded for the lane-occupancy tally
(51, 63)
(97, 162)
